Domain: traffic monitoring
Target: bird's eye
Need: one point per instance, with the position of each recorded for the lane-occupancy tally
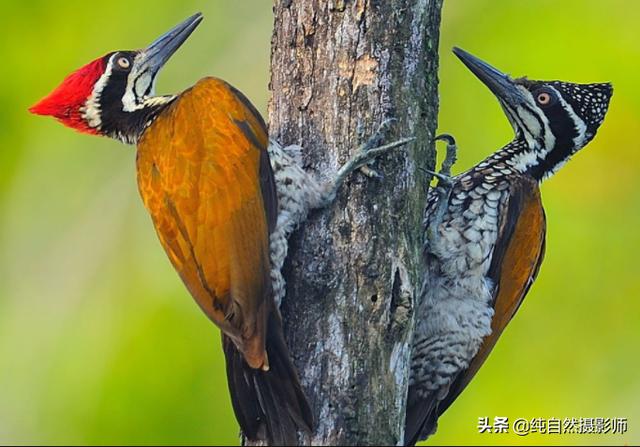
(123, 63)
(544, 97)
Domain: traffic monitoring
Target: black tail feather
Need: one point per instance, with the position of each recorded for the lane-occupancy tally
(269, 405)
(421, 418)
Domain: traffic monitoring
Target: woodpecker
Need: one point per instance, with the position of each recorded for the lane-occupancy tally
(485, 235)
(204, 169)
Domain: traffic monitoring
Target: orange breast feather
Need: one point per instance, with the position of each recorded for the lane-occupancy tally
(199, 168)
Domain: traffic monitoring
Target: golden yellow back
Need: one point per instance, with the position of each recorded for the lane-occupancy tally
(202, 169)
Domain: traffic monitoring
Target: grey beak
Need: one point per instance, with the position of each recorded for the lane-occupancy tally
(498, 82)
(158, 53)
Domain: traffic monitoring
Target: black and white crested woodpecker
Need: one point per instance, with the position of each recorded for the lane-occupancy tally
(485, 235)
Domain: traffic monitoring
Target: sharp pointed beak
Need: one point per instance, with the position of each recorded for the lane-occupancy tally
(499, 83)
(152, 58)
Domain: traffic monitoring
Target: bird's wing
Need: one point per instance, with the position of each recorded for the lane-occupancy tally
(515, 263)
(204, 175)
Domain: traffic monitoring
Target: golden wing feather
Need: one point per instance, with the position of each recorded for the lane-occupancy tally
(199, 174)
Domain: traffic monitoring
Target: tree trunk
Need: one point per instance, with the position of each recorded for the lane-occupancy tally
(339, 69)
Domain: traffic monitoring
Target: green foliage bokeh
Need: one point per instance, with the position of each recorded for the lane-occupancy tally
(100, 342)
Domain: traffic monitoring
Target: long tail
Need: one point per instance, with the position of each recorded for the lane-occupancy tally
(421, 419)
(269, 405)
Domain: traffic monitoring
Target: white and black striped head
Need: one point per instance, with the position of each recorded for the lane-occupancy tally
(552, 119)
(114, 95)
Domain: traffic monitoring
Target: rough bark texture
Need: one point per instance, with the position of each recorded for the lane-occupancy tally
(339, 69)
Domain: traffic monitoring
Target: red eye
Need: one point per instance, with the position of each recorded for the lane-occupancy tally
(543, 98)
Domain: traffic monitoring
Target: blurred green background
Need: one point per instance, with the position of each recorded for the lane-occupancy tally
(99, 341)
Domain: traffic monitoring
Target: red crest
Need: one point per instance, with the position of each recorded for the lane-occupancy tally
(65, 101)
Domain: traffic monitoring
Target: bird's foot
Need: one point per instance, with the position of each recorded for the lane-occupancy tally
(443, 180)
(444, 176)
(365, 154)
(444, 187)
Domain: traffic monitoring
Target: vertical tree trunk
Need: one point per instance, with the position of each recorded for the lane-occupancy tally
(339, 69)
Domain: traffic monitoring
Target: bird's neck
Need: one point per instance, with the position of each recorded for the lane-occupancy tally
(128, 127)
(530, 159)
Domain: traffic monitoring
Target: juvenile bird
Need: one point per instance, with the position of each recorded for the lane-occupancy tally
(485, 235)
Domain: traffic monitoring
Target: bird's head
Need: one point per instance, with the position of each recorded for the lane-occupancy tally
(552, 119)
(114, 95)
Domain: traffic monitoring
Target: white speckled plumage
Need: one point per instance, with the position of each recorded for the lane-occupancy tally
(455, 310)
(465, 227)
(298, 193)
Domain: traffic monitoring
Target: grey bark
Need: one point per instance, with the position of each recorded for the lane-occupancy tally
(339, 69)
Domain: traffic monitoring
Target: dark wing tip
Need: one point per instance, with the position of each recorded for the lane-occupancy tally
(421, 420)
